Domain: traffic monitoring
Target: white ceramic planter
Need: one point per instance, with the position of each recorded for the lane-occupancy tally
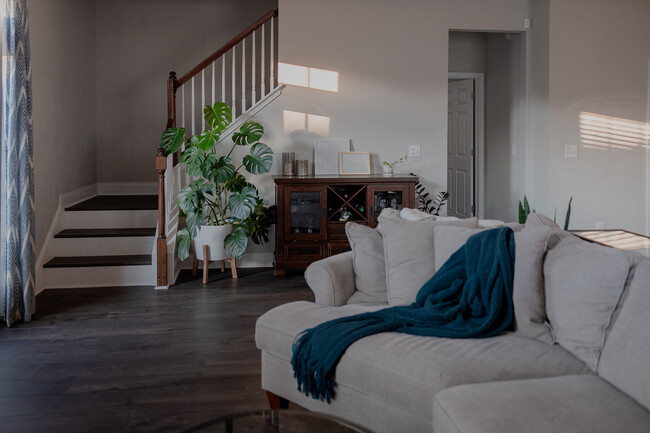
(213, 237)
(388, 170)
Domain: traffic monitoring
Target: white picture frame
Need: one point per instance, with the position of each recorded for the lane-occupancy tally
(354, 162)
(326, 155)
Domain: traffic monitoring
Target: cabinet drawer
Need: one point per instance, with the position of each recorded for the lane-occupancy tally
(334, 248)
(303, 251)
(336, 230)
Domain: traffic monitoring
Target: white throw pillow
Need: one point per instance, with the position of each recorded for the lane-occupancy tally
(415, 214)
(583, 285)
(528, 285)
(409, 253)
(369, 265)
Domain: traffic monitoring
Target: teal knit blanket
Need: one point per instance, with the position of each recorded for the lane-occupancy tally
(469, 297)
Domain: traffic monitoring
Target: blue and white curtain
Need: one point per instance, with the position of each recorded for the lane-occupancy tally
(17, 169)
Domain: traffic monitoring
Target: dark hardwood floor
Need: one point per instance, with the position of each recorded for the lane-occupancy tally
(139, 360)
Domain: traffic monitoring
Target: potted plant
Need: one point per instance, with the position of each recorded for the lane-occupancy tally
(389, 167)
(220, 204)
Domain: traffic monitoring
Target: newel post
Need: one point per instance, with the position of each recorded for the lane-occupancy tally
(161, 242)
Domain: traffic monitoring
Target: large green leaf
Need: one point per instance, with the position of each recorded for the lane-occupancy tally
(218, 116)
(222, 170)
(194, 158)
(206, 140)
(194, 221)
(242, 203)
(249, 133)
(172, 140)
(192, 197)
(236, 242)
(260, 159)
(184, 242)
(236, 183)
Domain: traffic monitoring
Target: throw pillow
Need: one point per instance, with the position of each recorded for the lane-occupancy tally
(415, 214)
(583, 285)
(409, 253)
(528, 293)
(447, 240)
(369, 265)
(528, 287)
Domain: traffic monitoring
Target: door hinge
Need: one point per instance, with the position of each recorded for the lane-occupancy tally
(473, 95)
(473, 153)
(473, 210)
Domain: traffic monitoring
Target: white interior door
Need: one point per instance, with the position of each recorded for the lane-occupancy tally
(460, 145)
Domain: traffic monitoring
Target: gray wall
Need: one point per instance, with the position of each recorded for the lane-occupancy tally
(467, 51)
(63, 76)
(504, 126)
(138, 43)
(598, 63)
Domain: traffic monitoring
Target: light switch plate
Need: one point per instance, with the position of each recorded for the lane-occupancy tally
(414, 150)
(571, 151)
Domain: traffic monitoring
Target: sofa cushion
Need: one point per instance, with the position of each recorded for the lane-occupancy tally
(409, 253)
(369, 266)
(528, 291)
(448, 239)
(583, 285)
(625, 360)
(571, 404)
(409, 370)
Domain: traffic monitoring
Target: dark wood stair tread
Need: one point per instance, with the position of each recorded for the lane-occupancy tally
(87, 261)
(117, 202)
(106, 233)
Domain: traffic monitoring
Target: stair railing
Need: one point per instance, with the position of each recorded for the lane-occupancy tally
(236, 75)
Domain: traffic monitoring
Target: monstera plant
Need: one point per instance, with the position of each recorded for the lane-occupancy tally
(219, 195)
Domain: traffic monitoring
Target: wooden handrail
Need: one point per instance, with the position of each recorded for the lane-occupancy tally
(221, 51)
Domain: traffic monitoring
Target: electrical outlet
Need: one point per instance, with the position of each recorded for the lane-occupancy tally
(414, 150)
(571, 151)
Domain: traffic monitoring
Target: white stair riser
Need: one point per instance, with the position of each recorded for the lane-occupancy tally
(108, 246)
(109, 219)
(99, 276)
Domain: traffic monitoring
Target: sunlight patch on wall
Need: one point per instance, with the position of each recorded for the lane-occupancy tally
(303, 76)
(297, 121)
(601, 132)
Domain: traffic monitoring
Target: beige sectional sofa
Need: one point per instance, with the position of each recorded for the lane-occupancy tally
(578, 359)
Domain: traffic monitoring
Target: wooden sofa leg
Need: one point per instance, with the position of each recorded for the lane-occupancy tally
(277, 402)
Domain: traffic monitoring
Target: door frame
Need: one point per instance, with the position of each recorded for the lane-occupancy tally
(479, 137)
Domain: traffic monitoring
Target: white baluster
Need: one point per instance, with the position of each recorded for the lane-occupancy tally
(182, 107)
(202, 98)
(234, 72)
(223, 78)
(262, 64)
(243, 76)
(214, 65)
(253, 72)
(272, 67)
(193, 104)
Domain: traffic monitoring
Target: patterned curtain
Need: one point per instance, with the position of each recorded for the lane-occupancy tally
(17, 179)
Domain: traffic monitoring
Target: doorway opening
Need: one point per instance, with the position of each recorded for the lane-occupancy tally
(486, 124)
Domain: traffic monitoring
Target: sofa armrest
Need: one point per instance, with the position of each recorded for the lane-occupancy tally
(332, 279)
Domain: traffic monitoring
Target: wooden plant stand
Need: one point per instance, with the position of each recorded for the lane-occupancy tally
(206, 263)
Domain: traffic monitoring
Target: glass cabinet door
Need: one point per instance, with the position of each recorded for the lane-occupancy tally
(306, 213)
(381, 197)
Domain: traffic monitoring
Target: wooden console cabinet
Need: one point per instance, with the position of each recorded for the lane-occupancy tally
(312, 212)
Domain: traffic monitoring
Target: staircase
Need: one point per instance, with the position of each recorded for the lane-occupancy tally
(106, 240)
(242, 73)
